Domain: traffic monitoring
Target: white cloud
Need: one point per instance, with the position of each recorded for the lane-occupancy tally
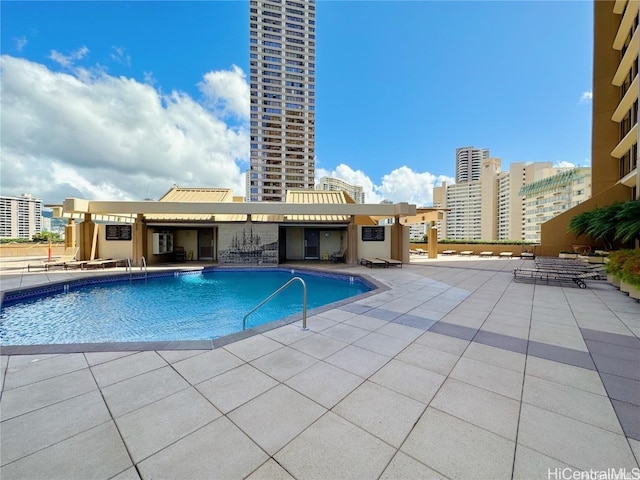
(68, 60)
(564, 164)
(20, 43)
(586, 97)
(120, 55)
(401, 185)
(87, 134)
(227, 92)
(90, 135)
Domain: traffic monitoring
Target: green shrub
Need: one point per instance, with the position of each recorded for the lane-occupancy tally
(625, 265)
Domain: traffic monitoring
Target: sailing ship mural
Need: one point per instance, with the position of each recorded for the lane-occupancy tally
(248, 244)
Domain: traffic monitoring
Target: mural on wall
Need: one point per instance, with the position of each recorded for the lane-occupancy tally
(248, 244)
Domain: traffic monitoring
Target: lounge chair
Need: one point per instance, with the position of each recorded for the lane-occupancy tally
(179, 255)
(391, 262)
(75, 264)
(338, 256)
(373, 262)
(448, 252)
(506, 254)
(421, 251)
(486, 254)
(68, 256)
(104, 263)
(466, 253)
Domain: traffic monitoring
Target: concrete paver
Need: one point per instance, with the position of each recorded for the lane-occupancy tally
(453, 371)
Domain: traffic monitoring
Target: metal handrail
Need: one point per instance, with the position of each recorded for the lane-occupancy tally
(144, 265)
(304, 302)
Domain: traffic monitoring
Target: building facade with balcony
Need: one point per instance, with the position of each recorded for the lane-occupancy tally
(331, 184)
(20, 217)
(282, 87)
(545, 199)
(469, 163)
(494, 208)
(614, 127)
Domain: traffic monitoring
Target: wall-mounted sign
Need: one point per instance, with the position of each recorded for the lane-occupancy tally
(118, 232)
(373, 234)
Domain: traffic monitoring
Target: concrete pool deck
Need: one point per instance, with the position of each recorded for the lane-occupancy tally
(454, 371)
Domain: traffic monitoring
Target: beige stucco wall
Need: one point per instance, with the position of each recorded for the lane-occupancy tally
(375, 249)
(331, 243)
(30, 250)
(496, 248)
(187, 239)
(554, 235)
(113, 248)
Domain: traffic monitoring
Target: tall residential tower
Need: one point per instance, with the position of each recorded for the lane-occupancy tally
(469, 163)
(282, 80)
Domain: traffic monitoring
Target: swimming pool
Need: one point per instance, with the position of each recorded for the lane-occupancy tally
(181, 306)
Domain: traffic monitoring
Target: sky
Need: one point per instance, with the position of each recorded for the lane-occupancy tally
(121, 100)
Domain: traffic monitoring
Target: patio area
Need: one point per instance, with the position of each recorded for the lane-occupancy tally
(454, 371)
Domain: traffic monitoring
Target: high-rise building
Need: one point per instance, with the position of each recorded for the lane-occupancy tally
(511, 206)
(469, 163)
(546, 198)
(614, 123)
(20, 217)
(502, 205)
(282, 83)
(356, 192)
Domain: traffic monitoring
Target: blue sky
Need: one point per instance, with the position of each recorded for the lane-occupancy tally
(122, 99)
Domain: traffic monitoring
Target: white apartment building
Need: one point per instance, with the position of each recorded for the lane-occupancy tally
(417, 231)
(493, 208)
(282, 83)
(510, 221)
(546, 198)
(20, 217)
(335, 184)
(463, 220)
(469, 163)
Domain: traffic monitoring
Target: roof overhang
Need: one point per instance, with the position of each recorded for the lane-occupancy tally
(424, 215)
(132, 209)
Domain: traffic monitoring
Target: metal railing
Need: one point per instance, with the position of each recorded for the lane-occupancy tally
(143, 264)
(304, 302)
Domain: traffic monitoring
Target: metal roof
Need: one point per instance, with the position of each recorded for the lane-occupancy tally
(181, 194)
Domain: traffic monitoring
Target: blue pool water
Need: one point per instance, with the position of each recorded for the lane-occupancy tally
(194, 306)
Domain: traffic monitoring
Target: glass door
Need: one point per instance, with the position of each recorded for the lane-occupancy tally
(311, 244)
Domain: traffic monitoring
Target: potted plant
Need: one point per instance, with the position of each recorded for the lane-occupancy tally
(631, 275)
(624, 265)
(615, 224)
(597, 257)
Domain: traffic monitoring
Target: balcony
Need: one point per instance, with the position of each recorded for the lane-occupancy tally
(626, 143)
(627, 101)
(627, 60)
(626, 24)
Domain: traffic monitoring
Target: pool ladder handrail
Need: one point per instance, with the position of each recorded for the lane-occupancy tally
(286, 285)
(143, 264)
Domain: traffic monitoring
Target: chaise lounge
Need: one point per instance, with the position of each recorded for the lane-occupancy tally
(68, 256)
(373, 262)
(391, 261)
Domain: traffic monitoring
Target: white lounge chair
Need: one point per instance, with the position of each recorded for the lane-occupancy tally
(373, 262)
(68, 256)
(391, 262)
